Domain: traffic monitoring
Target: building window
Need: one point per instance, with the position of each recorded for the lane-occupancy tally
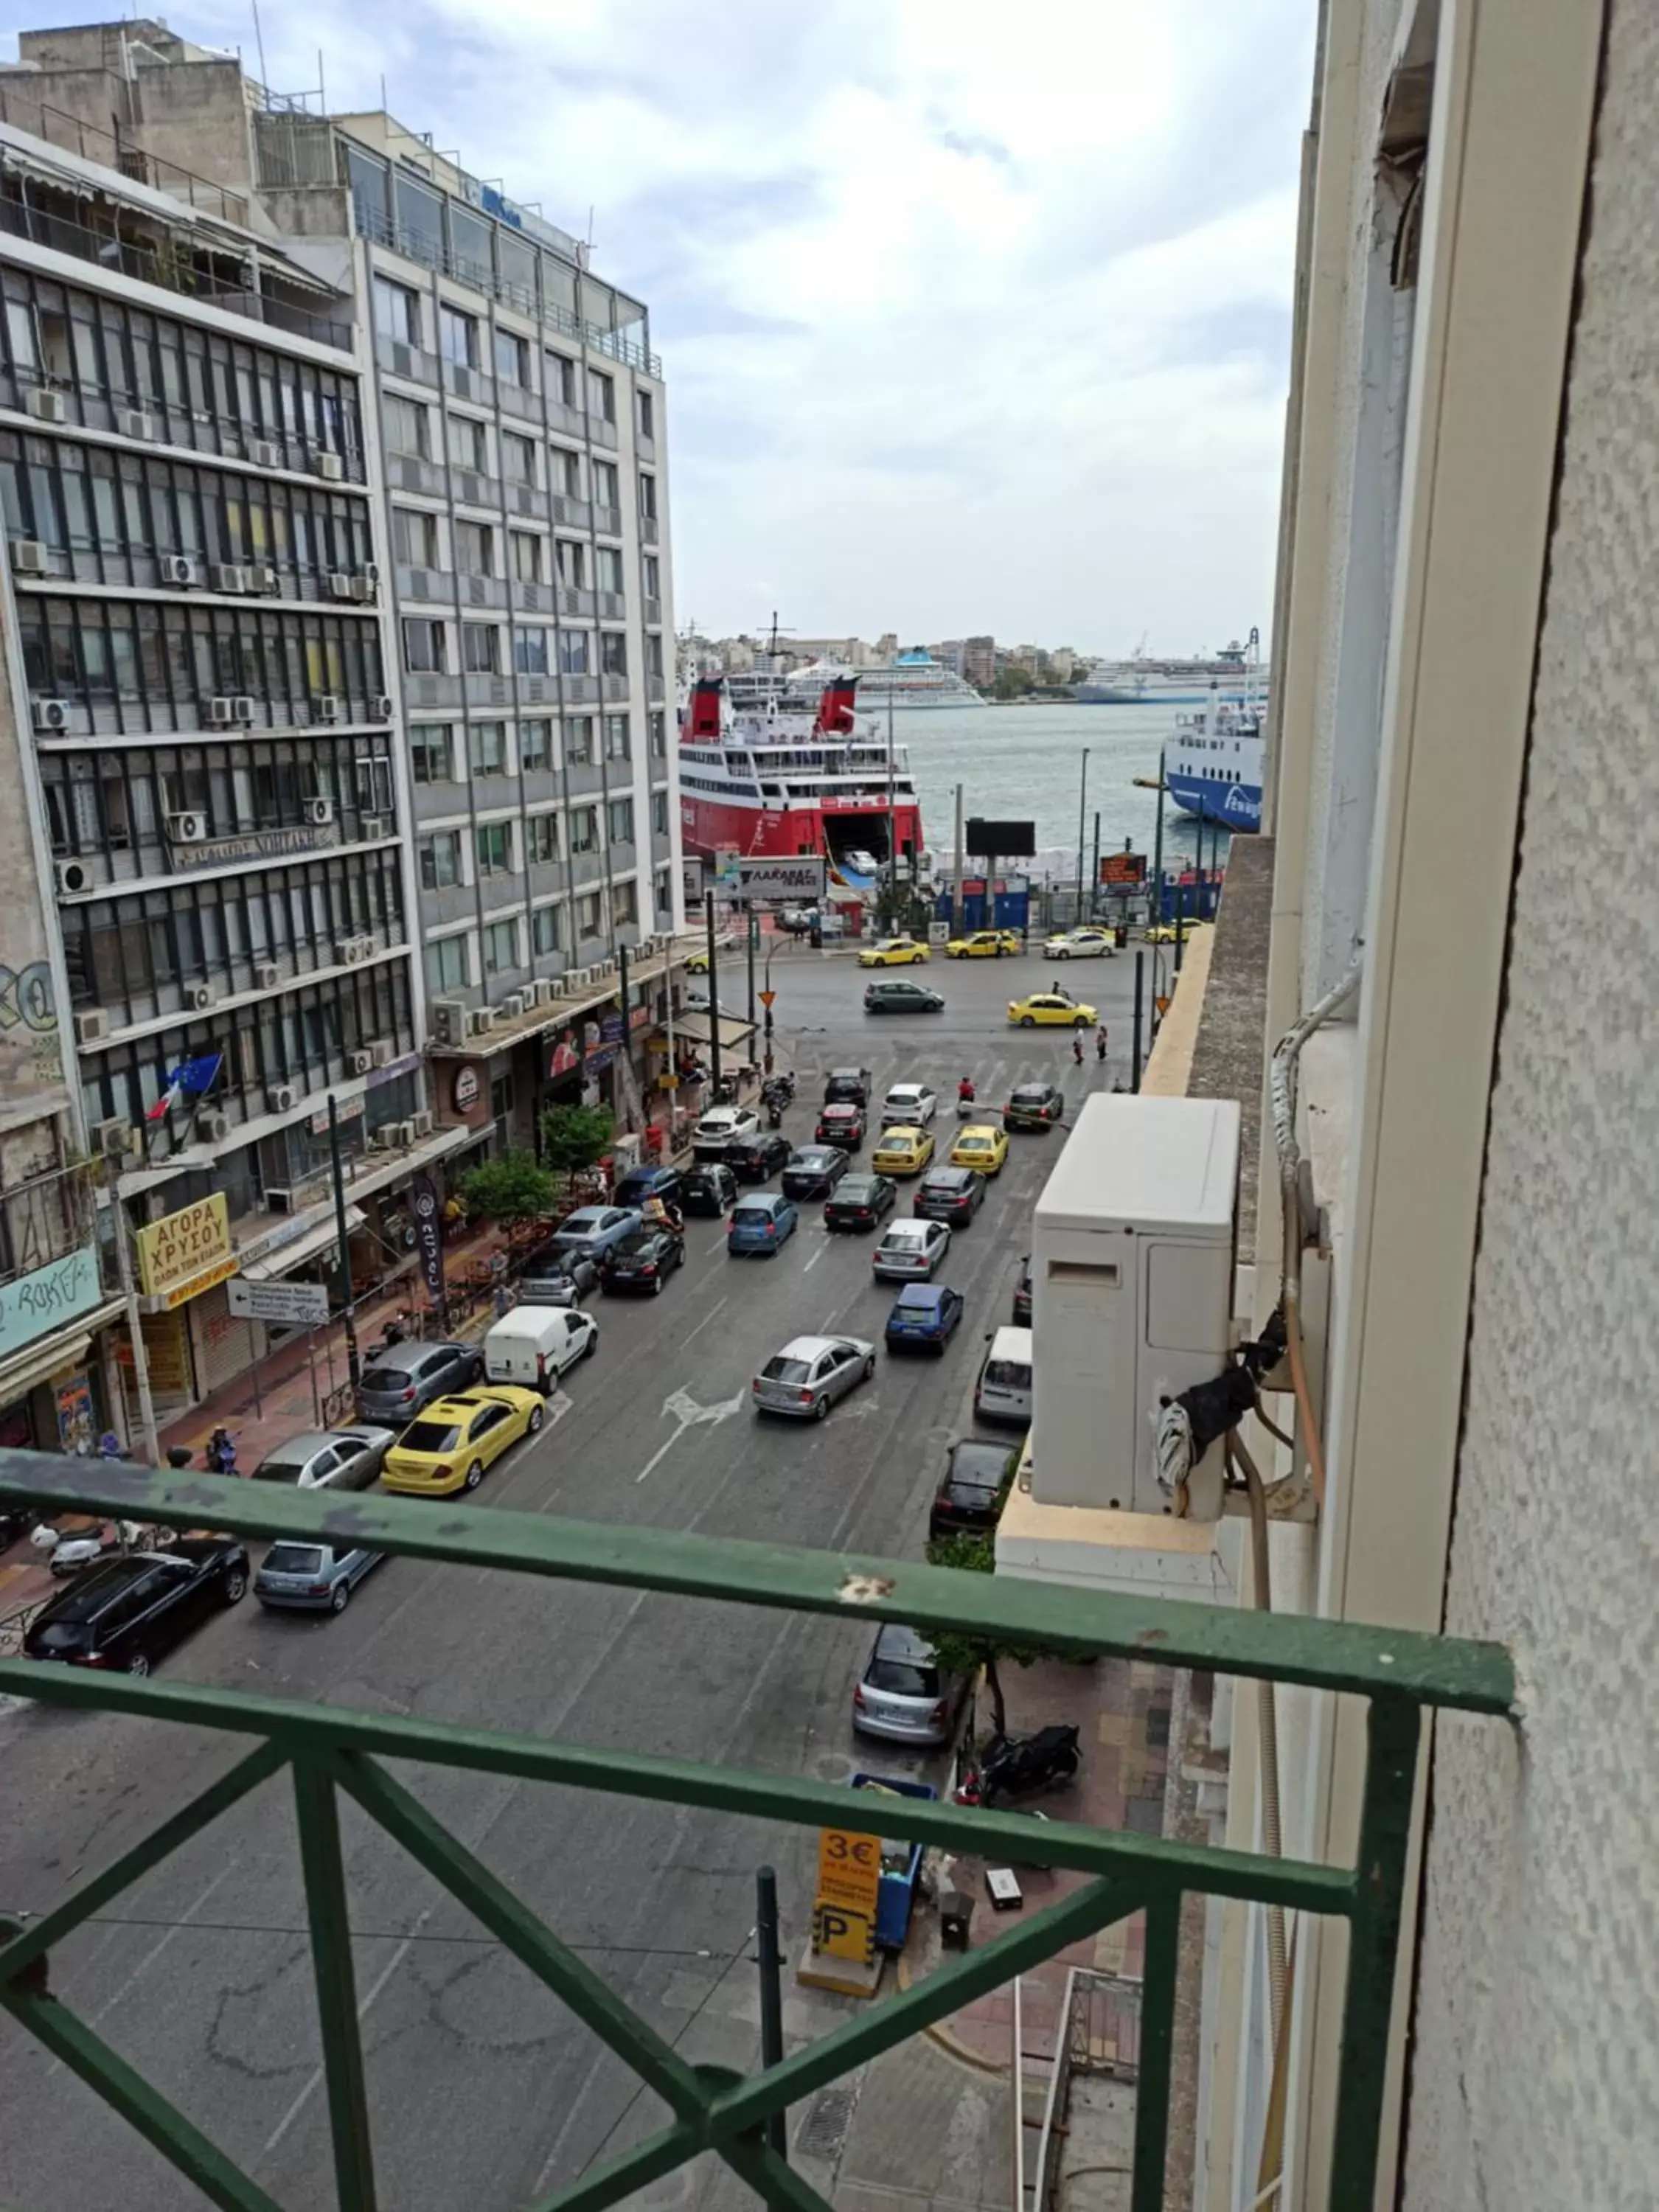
(469, 445)
(613, 653)
(517, 458)
(512, 357)
(457, 337)
(475, 549)
(585, 829)
(408, 426)
(530, 652)
(657, 722)
(579, 737)
(542, 840)
(544, 932)
(566, 472)
(560, 372)
(665, 895)
(527, 556)
(447, 967)
(660, 813)
(647, 496)
(535, 746)
(652, 576)
(415, 537)
(605, 484)
(601, 396)
(573, 563)
(573, 651)
(492, 846)
(432, 752)
(618, 745)
(624, 905)
(653, 653)
(441, 860)
(590, 915)
(397, 311)
(481, 648)
(500, 947)
(619, 821)
(646, 414)
(608, 564)
(423, 648)
(486, 748)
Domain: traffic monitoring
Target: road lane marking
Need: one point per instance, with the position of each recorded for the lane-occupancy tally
(689, 1415)
(813, 1261)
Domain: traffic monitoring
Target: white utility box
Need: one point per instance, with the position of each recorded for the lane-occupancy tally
(1132, 1281)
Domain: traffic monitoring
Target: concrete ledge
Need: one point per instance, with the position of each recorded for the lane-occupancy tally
(1139, 1554)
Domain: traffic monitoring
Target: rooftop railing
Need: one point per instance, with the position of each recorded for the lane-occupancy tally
(332, 1751)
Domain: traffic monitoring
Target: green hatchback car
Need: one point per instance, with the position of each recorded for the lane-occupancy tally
(897, 998)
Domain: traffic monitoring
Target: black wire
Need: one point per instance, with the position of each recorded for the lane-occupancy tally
(366, 1934)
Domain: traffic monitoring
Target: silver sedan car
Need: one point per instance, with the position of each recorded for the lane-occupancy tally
(327, 1459)
(805, 1378)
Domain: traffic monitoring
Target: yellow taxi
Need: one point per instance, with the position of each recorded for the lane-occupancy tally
(980, 1148)
(1051, 1010)
(902, 1152)
(983, 945)
(447, 1447)
(697, 965)
(1165, 933)
(893, 952)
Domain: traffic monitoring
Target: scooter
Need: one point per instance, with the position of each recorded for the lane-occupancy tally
(68, 1554)
(774, 1114)
(968, 1109)
(219, 1456)
(1020, 1766)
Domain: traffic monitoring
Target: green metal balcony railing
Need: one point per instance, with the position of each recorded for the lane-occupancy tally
(331, 1750)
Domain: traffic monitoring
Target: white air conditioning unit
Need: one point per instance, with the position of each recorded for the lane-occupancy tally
(370, 571)
(51, 713)
(188, 829)
(242, 707)
(382, 1052)
(262, 577)
(363, 591)
(423, 1123)
(339, 585)
(199, 997)
(221, 714)
(385, 1138)
(266, 974)
(511, 1008)
(331, 468)
(264, 453)
(281, 1099)
(362, 1062)
(404, 1132)
(29, 558)
(375, 825)
(91, 1026)
(319, 812)
(543, 991)
(74, 876)
(329, 707)
(379, 707)
(133, 423)
(449, 1022)
(112, 1138)
(45, 406)
(352, 952)
(279, 1202)
(480, 1020)
(578, 979)
(603, 970)
(212, 1128)
(229, 576)
(178, 568)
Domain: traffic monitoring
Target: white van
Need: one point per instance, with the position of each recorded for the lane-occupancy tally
(1003, 1392)
(533, 1345)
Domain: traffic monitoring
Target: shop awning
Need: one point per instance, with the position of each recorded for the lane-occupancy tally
(693, 1029)
(64, 1348)
(287, 1257)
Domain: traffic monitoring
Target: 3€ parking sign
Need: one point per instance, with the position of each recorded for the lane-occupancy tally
(844, 1902)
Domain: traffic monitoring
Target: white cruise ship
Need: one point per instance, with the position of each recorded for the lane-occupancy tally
(1143, 681)
(911, 681)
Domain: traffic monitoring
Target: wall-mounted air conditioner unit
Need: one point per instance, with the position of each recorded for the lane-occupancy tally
(111, 1138)
(29, 558)
(229, 576)
(385, 1138)
(221, 713)
(179, 569)
(331, 468)
(280, 1201)
(188, 829)
(264, 453)
(212, 1128)
(480, 1020)
(406, 1133)
(262, 577)
(51, 715)
(319, 812)
(363, 591)
(511, 1008)
(73, 876)
(339, 585)
(266, 974)
(379, 707)
(242, 708)
(449, 1022)
(91, 1026)
(281, 1099)
(199, 997)
(329, 707)
(45, 406)
(423, 1123)
(382, 1052)
(133, 423)
(352, 952)
(370, 571)
(362, 1062)
(374, 826)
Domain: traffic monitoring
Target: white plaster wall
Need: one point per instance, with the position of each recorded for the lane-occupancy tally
(1535, 2080)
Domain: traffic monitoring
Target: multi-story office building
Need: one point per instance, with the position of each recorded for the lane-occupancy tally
(979, 661)
(512, 413)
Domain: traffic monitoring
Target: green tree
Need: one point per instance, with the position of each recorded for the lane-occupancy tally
(515, 1186)
(962, 1654)
(574, 1137)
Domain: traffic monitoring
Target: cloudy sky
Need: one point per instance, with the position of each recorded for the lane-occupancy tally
(974, 316)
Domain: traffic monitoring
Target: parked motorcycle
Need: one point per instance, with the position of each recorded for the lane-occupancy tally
(1021, 1766)
(68, 1554)
(773, 1114)
(781, 1087)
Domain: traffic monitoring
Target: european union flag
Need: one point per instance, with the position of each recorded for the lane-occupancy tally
(197, 1077)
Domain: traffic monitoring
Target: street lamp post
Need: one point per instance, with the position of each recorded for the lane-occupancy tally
(1082, 816)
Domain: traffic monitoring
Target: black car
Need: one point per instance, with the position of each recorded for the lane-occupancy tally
(847, 1086)
(643, 1261)
(840, 1124)
(861, 1201)
(752, 1160)
(127, 1612)
(709, 1188)
(901, 999)
(953, 1194)
(1033, 1106)
(814, 1171)
(1022, 1293)
(968, 1499)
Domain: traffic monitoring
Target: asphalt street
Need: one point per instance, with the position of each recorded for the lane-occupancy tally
(484, 2091)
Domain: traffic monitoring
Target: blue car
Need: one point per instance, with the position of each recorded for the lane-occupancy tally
(923, 1314)
(306, 1577)
(761, 1222)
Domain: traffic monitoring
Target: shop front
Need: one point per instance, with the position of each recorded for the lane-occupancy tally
(52, 1394)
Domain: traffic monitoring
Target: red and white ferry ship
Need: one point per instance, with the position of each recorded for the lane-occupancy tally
(783, 778)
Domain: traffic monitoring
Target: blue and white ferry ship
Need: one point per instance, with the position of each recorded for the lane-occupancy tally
(1213, 765)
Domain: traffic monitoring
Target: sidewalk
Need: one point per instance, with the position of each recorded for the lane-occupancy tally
(1122, 1711)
